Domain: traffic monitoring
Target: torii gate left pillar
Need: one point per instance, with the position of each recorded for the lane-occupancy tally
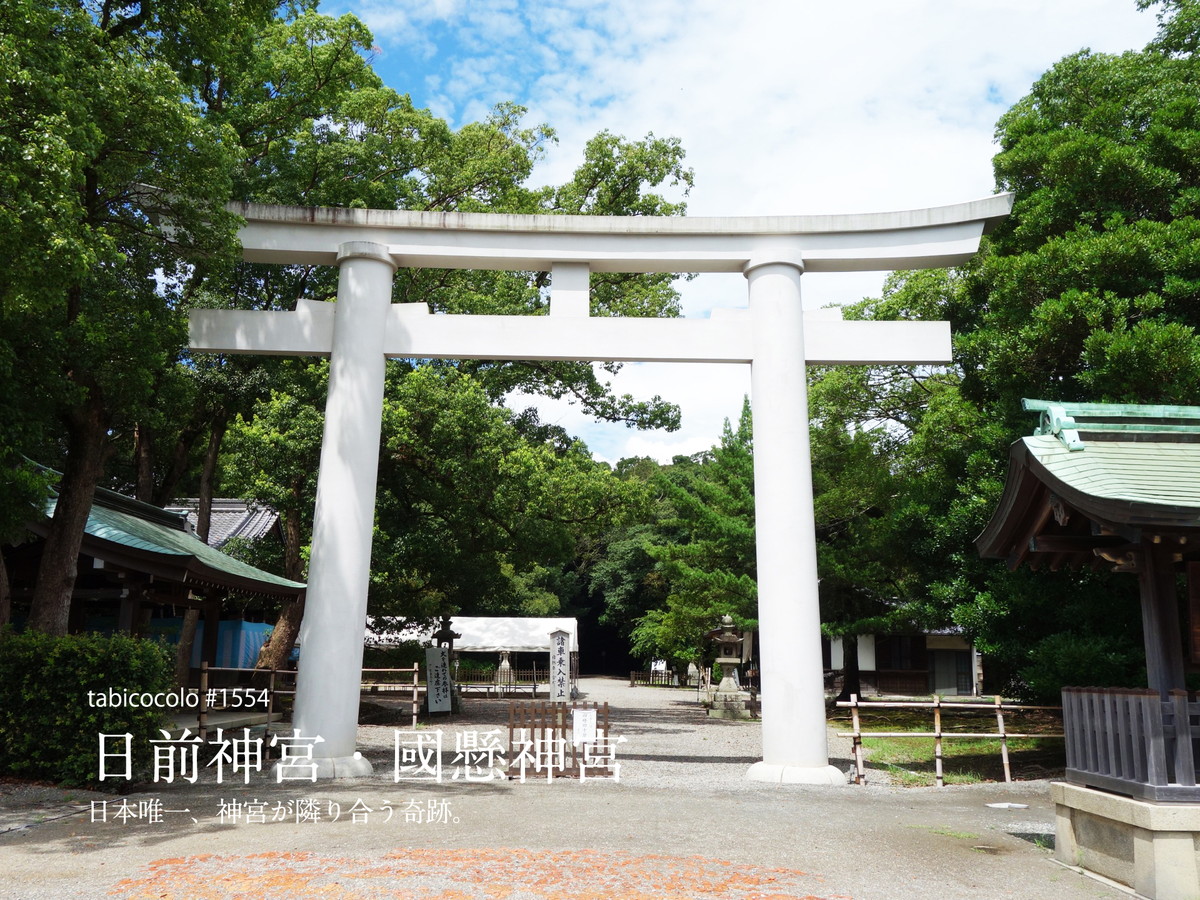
(331, 630)
(773, 337)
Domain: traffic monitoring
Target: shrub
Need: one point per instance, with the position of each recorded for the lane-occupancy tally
(49, 727)
(398, 656)
(1075, 660)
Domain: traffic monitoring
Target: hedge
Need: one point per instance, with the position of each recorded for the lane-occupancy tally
(51, 716)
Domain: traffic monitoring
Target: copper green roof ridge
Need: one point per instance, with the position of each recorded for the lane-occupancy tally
(126, 530)
(1114, 421)
(1117, 410)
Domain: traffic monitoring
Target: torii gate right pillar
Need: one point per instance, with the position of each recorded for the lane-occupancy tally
(795, 747)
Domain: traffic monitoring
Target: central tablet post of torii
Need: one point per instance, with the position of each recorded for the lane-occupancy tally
(364, 328)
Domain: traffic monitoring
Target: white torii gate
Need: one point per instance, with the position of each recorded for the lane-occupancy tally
(364, 327)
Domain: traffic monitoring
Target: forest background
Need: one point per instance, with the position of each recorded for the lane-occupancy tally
(115, 117)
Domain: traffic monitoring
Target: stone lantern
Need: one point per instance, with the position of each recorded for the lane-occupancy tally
(729, 650)
(445, 637)
(728, 702)
(504, 672)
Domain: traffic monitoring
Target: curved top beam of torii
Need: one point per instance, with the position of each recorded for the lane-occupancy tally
(571, 247)
(364, 327)
(922, 238)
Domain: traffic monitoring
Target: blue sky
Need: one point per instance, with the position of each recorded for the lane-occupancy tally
(783, 106)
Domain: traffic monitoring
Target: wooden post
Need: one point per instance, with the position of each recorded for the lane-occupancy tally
(937, 738)
(203, 723)
(1185, 761)
(1160, 616)
(1003, 739)
(416, 669)
(1156, 749)
(1193, 578)
(1125, 743)
(860, 772)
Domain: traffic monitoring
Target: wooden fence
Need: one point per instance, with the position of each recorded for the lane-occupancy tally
(542, 742)
(938, 735)
(654, 678)
(503, 682)
(214, 698)
(281, 682)
(1133, 742)
(396, 680)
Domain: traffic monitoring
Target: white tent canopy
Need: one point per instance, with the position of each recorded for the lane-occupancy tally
(487, 634)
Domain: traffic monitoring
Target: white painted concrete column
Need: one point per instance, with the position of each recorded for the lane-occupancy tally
(331, 634)
(795, 749)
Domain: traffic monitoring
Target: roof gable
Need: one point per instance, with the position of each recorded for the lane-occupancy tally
(1118, 469)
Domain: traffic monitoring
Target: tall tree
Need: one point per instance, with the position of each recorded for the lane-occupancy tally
(123, 129)
(272, 460)
(710, 566)
(99, 139)
(1086, 292)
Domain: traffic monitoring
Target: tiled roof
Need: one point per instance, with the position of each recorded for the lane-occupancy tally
(230, 519)
(1140, 472)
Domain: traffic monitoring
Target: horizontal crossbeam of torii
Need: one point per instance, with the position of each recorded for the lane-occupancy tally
(364, 328)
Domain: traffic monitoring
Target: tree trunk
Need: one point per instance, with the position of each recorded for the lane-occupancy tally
(5, 594)
(208, 479)
(183, 653)
(165, 492)
(51, 604)
(851, 682)
(143, 461)
(293, 568)
(187, 634)
(275, 652)
(277, 649)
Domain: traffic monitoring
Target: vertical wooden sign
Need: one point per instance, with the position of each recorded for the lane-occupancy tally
(437, 678)
(560, 666)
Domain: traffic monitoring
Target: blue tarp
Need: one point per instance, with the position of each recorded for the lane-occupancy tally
(238, 644)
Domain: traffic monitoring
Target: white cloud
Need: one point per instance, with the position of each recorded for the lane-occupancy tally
(708, 394)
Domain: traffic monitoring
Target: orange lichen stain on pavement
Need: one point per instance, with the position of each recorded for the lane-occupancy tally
(481, 874)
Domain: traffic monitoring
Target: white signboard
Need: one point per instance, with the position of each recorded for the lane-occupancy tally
(560, 667)
(437, 678)
(583, 726)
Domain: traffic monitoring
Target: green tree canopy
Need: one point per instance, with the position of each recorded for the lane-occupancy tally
(474, 515)
(124, 129)
(1086, 292)
(708, 561)
(99, 140)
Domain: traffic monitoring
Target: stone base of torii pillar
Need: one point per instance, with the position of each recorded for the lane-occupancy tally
(324, 768)
(364, 327)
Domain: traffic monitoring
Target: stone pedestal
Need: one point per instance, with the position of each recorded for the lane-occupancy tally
(1153, 848)
(729, 705)
(504, 669)
(728, 701)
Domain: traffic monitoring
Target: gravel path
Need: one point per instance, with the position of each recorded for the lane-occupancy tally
(669, 741)
(682, 822)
